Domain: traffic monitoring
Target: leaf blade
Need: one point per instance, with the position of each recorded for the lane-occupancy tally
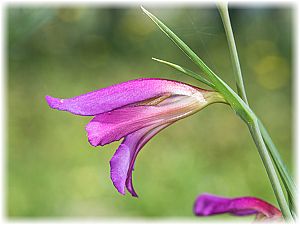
(186, 71)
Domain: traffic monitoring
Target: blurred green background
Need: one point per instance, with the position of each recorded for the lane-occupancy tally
(52, 171)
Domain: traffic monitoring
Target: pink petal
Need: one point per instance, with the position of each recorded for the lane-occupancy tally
(206, 205)
(123, 160)
(119, 95)
(112, 126)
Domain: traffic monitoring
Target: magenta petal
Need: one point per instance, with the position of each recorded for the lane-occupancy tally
(123, 160)
(112, 126)
(119, 167)
(206, 205)
(119, 95)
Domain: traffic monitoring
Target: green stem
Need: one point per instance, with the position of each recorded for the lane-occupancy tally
(239, 106)
(271, 171)
(283, 172)
(233, 51)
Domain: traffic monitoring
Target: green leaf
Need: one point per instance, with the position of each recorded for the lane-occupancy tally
(187, 72)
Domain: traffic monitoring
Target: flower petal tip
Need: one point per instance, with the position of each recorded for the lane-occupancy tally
(119, 164)
(54, 103)
(120, 190)
(134, 194)
(201, 205)
(119, 185)
(129, 186)
(93, 131)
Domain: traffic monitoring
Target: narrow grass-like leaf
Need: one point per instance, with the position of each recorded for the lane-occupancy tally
(184, 47)
(186, 71)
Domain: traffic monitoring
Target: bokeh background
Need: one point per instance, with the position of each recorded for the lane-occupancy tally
(52, 171)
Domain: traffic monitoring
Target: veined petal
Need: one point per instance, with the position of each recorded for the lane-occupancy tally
(122, 162)
(206, 205)
(112, 126)
(119, 95)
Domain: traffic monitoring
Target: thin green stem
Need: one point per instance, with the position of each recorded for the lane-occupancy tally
(233, 51)
(239, 106)
(283, 172)
(271, 171)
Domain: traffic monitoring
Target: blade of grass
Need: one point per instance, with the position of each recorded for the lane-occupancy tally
(186, 71)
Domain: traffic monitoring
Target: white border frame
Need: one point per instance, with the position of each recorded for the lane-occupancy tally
(3, 103)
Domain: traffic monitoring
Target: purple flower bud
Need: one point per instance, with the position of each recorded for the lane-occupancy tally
(208, 205)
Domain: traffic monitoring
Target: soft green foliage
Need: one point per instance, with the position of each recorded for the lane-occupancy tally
(52, 171)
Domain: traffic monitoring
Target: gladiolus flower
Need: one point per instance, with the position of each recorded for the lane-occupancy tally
(207, 205)
(136, 111)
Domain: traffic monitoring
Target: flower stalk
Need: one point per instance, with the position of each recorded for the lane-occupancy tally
(237, 104)
(271, 171)
(263, 135)
(233, 51)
